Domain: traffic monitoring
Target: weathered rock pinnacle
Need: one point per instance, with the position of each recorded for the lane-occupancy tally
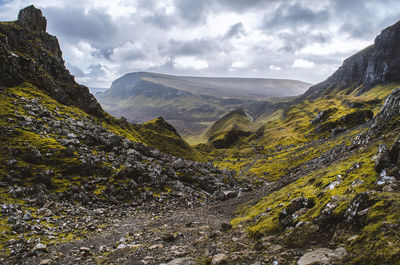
(32, 19)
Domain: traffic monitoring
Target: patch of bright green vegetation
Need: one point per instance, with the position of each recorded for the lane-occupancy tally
(373, 241)
(285, 141)
(159, 134)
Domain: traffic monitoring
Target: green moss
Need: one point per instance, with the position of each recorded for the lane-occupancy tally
(313, 185)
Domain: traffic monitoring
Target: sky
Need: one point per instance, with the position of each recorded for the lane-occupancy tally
(305, 40)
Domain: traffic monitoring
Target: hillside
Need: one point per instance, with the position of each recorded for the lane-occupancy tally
(191, 104)
(330, 157)
(62, 158)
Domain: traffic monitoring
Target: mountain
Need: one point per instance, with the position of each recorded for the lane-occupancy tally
(191, 104)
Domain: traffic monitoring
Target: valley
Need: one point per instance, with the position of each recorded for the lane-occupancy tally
(192, 104)
(263, 175)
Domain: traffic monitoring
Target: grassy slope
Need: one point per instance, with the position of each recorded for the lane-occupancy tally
(287, 143)
(285, 140)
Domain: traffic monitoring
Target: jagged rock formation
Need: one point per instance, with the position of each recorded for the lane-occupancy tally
(376, 64)
(29, 54)
(32, 19)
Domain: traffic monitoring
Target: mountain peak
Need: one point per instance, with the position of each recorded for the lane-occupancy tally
(377, 64)
(32, 19)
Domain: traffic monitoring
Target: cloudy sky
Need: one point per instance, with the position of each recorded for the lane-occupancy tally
(297, 39)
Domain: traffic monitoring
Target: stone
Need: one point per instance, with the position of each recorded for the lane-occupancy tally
(274, 249)
(225, 227)
(322, 116)
(45, 262)
(220, 259)
(45, 212)
(382, 159)
(322, 256)
(288, 215)
(156, 246)
(182, 261)
(85, 251)
(39, 247)
(32, 19)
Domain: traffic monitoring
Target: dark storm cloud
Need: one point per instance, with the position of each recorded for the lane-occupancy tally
(235, 30)
(242, 5)
(106, 53)
(298, 40)
(134, 53)
(295, 16)
(161, 20)
(194, 47)
(193, 11)
(362, 18)
(95, 26)
(358, 20)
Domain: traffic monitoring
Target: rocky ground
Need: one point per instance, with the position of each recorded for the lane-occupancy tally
(193, 235)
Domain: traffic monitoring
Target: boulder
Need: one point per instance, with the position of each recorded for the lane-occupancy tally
(382, 159)
(220, 259)
(322, 256)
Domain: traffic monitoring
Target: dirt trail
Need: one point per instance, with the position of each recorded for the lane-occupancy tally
(151, 237)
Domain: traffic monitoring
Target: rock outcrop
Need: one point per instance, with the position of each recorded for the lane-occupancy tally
(376, 64)
(32, 19)
(29, 54)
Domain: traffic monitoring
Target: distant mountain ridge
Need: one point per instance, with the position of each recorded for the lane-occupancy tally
(232, 87)
(191, 104)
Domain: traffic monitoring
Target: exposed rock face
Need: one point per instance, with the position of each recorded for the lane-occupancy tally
(32, 19)
(29, 54)
(378, 63)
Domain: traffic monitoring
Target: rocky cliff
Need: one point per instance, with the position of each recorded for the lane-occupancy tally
(29, 54)
(376, 64)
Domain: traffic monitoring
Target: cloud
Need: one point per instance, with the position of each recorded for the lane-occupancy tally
(301, 63)
(129, 51)
(192, 47)
(296, 16)
(94, 26)
(239, 64)
(161, 20)
(243, 5)
(293, 42)
(297, 39)
(75, 70)
(235, 31)
(184, 62)
(192, 11)
(275, 68)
